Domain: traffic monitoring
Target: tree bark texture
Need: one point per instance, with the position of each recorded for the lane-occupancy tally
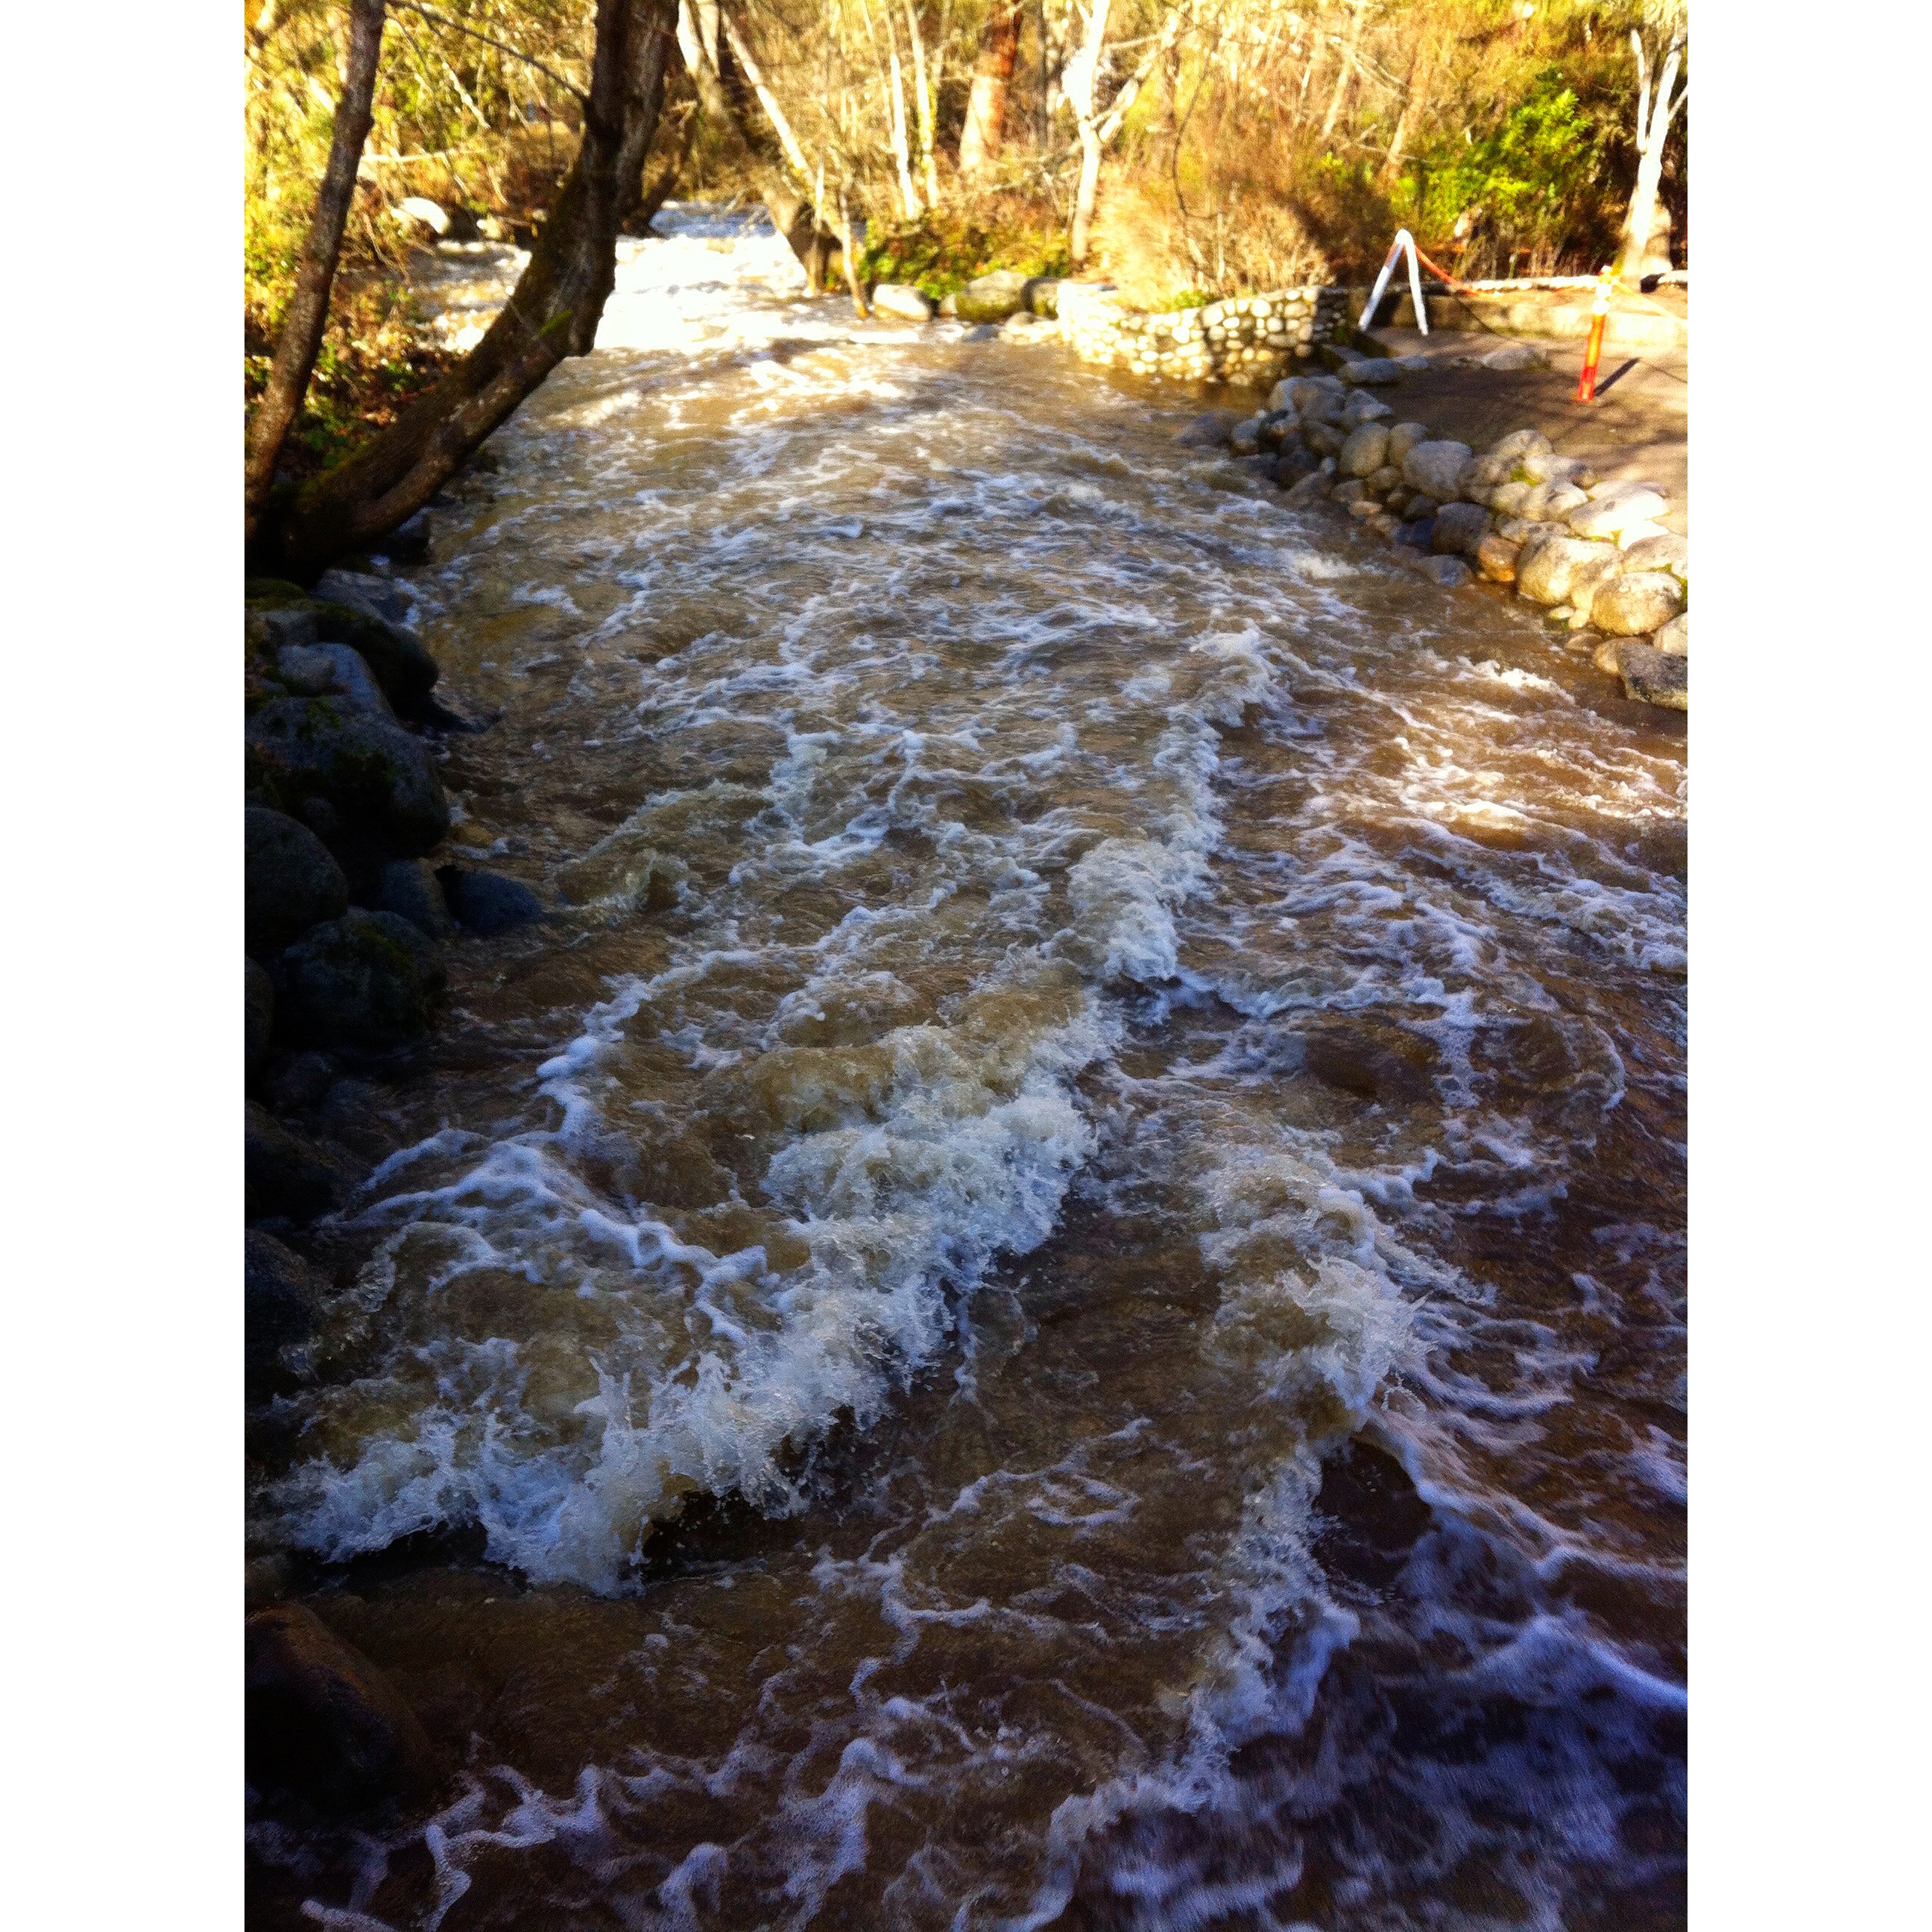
(552, 312)
(1097, 131)
(300, 341)
(992, 78)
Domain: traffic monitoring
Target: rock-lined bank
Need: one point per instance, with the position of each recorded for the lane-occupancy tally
(352, 902)
(1590, 551)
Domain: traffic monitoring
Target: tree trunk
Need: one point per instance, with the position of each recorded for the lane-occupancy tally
(924, 92)
(1346, 72)
(655, 193)
(902, 153)
(1421, 72)
(300, 341)
(1641, 254)
(1083, 195)
(986, 105)
(553, 313)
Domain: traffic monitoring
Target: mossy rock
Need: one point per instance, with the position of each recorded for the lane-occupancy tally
(369, 980)
(380, 780)
(400, 662)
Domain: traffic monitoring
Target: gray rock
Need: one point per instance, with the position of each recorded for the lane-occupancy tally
(290, 881)
(902, 299)
(1411, 365)
(1550, 502)
(1481, 472)
(1312, 489)
(1328, 405)
(332, 670)
(1281, 396)
(1025, 328)
(1323, 438)
(1295, 463)
(408, 541)
(1419, 504)
(259, 997)
(1459, 528)
(1384, 481)
(1507, 499)
(1386, 526)
(1662, 678)
(379, 779)
(1609, 517)
(488, 902)
(1376, 370)
(1675, 637)
(1403, 437)
(1608, 656)
(1245, 438)
(1364, 451)
(981, 331)
(285, 1176)
(1275, 431)
(1667, 552)
(270, 630)
(1544, 570)
(1635, 605)
(410, 889)
(1352, 492)
(1513, 529)
(360, 590)
(1041, 296)
(1589, 580)
(992, 298)
(302, 1082)
(1433, 467)
(281, 1300)
(369, 980)
(1546, 466)
(1449, 572)
(1211, 430)
(1521, 443)
(1361, 407)
(1512, 355)
(321, 1720)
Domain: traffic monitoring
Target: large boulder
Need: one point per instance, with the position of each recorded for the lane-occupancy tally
(1496, 558)
(1041, 296)
(410, 889)
(283, 1176)
(1507, 499)
(1610, 517)
(1210, 430)
(1459, 528)
(379, 779)
(1520, 444)
(1663, 552)
(1433, 467)
(290, 881)
(258, 1001)
(1589, 580)
(1317, 402)
(323, 1721)
(488, 902)
(1634, 606)
(369, 980)
(902, 299)
(1364, 451)
(332, 670)
(1658, 677)
(1403, 437)
(364, 619)
(992, 298)
(281, 1301)
(1543, 572)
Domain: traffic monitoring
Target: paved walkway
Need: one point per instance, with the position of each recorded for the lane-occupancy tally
(1638, 426)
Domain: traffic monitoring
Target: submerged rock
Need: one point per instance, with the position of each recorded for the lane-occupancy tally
(368, 980)
(624, 872)
(289, 880)
(1211, 430)
(488, 902)
(323, 1721)
(378, 778)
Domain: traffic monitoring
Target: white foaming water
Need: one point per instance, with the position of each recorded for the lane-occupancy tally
(988, 834)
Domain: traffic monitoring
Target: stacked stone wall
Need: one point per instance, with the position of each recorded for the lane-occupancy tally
(1253, 339)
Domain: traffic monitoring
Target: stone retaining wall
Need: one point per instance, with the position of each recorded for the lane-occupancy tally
(1253, 339)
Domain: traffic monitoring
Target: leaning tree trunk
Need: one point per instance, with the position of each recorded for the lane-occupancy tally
(1641, 250)
(992, 78)
(553, 313)
(300, 341)
(1084, 194)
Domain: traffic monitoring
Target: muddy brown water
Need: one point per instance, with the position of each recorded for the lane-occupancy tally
(1055, 1294)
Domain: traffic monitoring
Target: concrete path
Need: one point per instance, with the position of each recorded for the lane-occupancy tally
(1637, 428)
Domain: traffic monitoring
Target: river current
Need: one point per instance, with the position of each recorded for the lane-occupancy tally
(1055, 1294)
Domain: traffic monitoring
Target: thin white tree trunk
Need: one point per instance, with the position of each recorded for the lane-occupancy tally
(1347, 71)
(924, 93)
(1079, 80)
(768, 100)
(908, 194)
(1654, 117)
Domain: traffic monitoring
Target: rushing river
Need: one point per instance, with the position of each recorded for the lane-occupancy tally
(1055, 1295)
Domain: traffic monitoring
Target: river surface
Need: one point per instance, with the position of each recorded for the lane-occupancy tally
(1055, 1294)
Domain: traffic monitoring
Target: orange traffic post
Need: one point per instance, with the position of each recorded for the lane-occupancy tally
(1600, 312)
